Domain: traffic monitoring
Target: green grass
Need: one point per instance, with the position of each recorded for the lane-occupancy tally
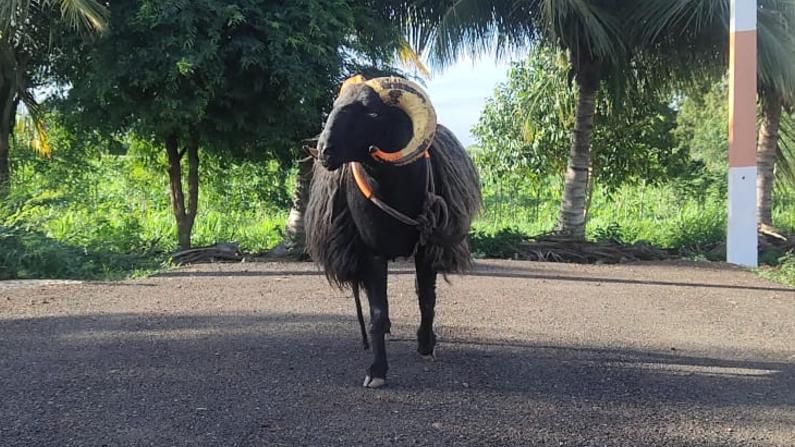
(783, 272)
(77, 242)
(103, 216)
(27, 254)
(662, 216)
(92, 215)
(689, 218)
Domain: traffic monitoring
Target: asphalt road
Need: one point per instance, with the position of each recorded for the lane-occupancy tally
(529, 354)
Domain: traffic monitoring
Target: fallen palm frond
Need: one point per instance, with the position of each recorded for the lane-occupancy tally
(557, 249)
(225, 252)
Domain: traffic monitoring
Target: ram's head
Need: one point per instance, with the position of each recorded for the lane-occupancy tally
(390, 120)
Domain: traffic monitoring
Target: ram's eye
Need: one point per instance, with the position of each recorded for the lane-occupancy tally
(373, 114)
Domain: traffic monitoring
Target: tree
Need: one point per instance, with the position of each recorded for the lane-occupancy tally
(248, 76)
(525, 127)
(595, 34)
(25, 44)
(295, 233)
(679, 27)
(703, 125)
(776, 93)
(611, 44)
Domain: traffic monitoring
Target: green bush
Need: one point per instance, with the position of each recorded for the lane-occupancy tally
(86, 212)
(502, 243)
(611, 232)
(783, 272)
(26, 254)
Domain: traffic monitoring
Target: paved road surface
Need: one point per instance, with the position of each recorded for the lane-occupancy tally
(530, 354)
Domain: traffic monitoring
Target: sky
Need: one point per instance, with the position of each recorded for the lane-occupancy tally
(459, 93)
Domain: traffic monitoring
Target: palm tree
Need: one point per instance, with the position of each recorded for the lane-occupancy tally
(768, 154)
(614, 44)
(776, 93)
(594, 33)
(296, 234)
(679, 28)
(25, 41)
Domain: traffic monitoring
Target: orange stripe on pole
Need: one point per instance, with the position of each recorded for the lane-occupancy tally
(742, 99)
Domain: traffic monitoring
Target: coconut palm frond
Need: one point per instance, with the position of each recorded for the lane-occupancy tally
(586, 25)
(692, 37)
(40, 142)
(411, 59)
(683, 43)
(472, 27)
(85, 14)
(777, 47)
(785, 153)
(669, 21)
(90, 15)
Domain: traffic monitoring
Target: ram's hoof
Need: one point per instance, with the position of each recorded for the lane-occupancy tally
(429, 357)
(374, 382)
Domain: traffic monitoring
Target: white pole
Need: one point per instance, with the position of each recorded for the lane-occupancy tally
(742, 243)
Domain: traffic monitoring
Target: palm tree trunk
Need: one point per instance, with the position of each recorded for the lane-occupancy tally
(575, 192)
(13, 72)
(589, 191)
(5, 145)
(296, 235)
(766, 157)
(185, 217)
(193, 183)
(7, 119)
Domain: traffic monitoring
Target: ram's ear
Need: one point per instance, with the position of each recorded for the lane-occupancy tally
(312, 151)
(353, 80)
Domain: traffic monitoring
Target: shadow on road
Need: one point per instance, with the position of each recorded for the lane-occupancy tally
(130, 379)
(492, 272)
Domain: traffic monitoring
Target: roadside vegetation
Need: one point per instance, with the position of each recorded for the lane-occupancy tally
(131, 133)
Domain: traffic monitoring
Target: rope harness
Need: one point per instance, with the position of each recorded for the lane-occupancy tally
(434, 212)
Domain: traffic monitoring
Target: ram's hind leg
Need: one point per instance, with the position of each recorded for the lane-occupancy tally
(426, 292)
(375, 275)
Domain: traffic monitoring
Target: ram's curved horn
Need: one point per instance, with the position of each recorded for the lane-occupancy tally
(353, 80)
(411, 99)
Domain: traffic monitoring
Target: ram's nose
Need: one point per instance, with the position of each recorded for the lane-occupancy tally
(326, 156)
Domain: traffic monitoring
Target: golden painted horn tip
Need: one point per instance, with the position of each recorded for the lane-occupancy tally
(353, 80)
(392, 81)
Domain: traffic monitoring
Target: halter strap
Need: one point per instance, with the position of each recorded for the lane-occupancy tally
(367, 191)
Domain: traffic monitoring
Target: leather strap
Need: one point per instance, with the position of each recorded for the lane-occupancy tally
(367, 191)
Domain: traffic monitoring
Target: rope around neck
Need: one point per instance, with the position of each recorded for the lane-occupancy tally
(434, 214)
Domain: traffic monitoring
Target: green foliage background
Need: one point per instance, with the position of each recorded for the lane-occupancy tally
(525, 128)
(91, 213)
(99, 207)
(659, 168)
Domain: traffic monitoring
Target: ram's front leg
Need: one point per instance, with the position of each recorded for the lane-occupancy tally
(374, 275)
(426, 292)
